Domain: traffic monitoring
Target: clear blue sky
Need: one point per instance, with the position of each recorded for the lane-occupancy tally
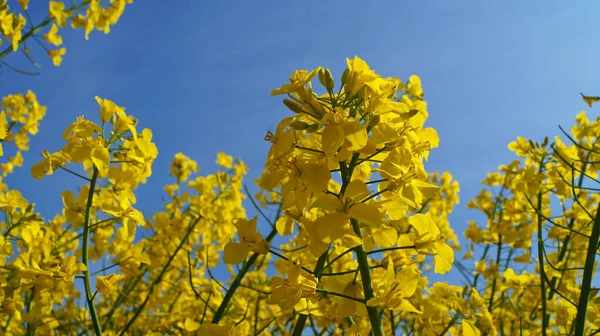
(199, 75)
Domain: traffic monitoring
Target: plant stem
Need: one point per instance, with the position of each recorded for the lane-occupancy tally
(85, 255)
(588, 274)
(130, 286)
(541, 260)
(159, 278)
(365, 275)
(238, 280)
(299, 327)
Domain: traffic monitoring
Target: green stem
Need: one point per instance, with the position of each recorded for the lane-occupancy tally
(498, 255)
(395, 248)
(238, 280)
(541, 261)
(449, 325)
(340, 295)
(130, 286)
(564, 248)
(588, 274)
(159, 278)
(365, 275)
(331, 262)
(288, 260)
(85, 255)
(104, 269)
(301, 322)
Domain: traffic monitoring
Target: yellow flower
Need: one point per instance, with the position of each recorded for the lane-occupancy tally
(357, 76)
(24, 4)
(12, 199)
(107, 284)
(107, 109)
(288, 292)
(211, 329)
(469, 328)
(3, 130)
(57, 11)
(297, 82)
(392, 290)
(250, 240)
(53, 37)
(335, 224)
(224, 160)
(189, 325)
(13, 161)
(56, 55)
(70, 267)
(47, 166)
(182, 167)
(430, 241)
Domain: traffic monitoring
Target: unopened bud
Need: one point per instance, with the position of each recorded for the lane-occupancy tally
(375, 119)
(326, 79)
(345, 76)
(545, 143)
(293, 106)
(299, 125)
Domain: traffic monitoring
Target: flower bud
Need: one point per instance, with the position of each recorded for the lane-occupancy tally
(293, 106)
(326, 79)
(345, 76)
(299, 125)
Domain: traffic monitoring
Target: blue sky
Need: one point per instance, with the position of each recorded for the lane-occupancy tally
(199, 75)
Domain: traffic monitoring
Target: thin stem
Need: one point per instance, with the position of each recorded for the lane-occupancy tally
(286, 259)
(311, 149)
(290, 250)
(391, 249)
(498, 255)
(257, 207)
(541, 259)
(588, 274)
(340, 295)
(238, 280)
(301, 322)
(104, 269)
(85, 255)
(374, 195)
(449, 325)
(130, 286)
(365, 275)
(334, 260)
(159, 278)
(74, 173)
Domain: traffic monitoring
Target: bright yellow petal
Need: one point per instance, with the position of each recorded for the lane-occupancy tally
(408, 278)
(367, 213)
(385, 236)
(444, 259)
(331, 226)
(356, 134)
(235, 253)
(284, 225)
(3, 126)
(333, 138)
(469, 329)
(315, 177)
(406, 306)
(327, 202)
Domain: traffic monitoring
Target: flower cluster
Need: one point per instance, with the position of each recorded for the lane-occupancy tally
(88, 15)
(351, 231)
